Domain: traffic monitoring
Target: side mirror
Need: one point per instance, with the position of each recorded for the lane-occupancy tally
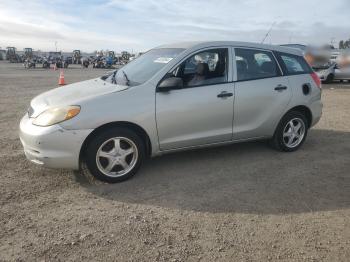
(170, 83)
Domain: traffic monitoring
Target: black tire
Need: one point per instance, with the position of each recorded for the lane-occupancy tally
(100, 139)
(329, 79)
(278, 141)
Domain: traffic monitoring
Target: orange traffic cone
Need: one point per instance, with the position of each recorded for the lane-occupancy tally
(61, 79)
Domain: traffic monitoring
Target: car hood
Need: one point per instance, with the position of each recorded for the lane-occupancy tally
(72, 94)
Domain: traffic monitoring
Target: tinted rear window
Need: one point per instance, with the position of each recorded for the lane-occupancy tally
(293, 64)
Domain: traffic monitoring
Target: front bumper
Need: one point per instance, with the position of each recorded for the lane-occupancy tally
(52, 146)
(322, 75)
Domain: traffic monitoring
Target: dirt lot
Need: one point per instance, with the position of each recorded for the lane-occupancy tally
(243, 202)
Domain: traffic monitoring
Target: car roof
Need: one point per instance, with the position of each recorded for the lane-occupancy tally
(204, 44)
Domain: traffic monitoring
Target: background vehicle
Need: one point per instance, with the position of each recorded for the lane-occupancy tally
(98, 62)
(38, 59)
(69, 59)
(12, 56)
(108, 62)
(85, 62)
(124, 57)
(76, 57)
(29, 59)
(112, 57)
(29, 63)
(46, 63)
(172, 98)
(334, 55)
(342, 72)
(335, 70)
(61, 62)
(28, 53)
(53, 57)
(2, 54)
(326, 72)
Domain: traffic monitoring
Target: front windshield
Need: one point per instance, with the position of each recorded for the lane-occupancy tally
(144, 67)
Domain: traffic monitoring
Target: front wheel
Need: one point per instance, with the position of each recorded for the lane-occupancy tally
(329, 79)
(115, 155)
(291, 132)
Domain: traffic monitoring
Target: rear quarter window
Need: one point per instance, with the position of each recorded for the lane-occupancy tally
(293, 64)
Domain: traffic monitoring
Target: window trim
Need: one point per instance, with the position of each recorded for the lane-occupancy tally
(280, 71)
(283, 65)
(229, 66)
(259, 78)
(232, 74)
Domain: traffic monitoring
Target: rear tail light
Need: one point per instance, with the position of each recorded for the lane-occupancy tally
(316, 79)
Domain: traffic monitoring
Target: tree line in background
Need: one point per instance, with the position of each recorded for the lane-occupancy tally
(343, 44)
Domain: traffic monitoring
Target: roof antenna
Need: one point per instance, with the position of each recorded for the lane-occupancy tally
(268, 32)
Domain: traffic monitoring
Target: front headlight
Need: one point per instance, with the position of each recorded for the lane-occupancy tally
(56, 115)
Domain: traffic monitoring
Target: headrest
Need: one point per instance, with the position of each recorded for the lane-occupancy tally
(242, 66)
(202, 69)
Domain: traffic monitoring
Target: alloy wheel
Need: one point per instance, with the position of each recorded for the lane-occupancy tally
(294, 132)
(117, 156)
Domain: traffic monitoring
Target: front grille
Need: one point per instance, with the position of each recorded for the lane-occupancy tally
(30, 111)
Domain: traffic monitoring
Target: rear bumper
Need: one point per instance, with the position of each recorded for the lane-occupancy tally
(52, 146)
(316, 111)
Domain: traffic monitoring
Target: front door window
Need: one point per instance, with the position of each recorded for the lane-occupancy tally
(208, 67)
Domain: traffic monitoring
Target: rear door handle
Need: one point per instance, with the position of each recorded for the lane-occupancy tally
(224, 94)
(280, 88)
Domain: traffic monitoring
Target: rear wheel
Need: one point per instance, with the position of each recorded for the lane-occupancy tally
(291, 132)
(115, 155)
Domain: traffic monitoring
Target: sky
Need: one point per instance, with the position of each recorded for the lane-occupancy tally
(138, 25)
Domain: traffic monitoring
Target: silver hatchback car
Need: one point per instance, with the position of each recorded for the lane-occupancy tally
(174, 97)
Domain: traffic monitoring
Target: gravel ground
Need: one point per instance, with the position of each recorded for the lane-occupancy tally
(244, 202)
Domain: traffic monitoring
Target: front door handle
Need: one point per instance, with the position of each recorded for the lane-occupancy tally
(280, 88)
(224, 94)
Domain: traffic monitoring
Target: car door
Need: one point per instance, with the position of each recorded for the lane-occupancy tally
(342, 73)
(261, 93)
(200, 111)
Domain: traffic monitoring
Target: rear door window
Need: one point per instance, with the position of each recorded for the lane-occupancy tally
(255, 64)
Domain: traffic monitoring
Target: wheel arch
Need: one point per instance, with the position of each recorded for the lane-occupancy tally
(305, 111)
(136, 128)
(330, 78)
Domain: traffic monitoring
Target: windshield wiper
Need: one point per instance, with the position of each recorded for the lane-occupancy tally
(113, 80)
(126, 78)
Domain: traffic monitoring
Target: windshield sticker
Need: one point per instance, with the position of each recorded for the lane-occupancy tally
(163, 60)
